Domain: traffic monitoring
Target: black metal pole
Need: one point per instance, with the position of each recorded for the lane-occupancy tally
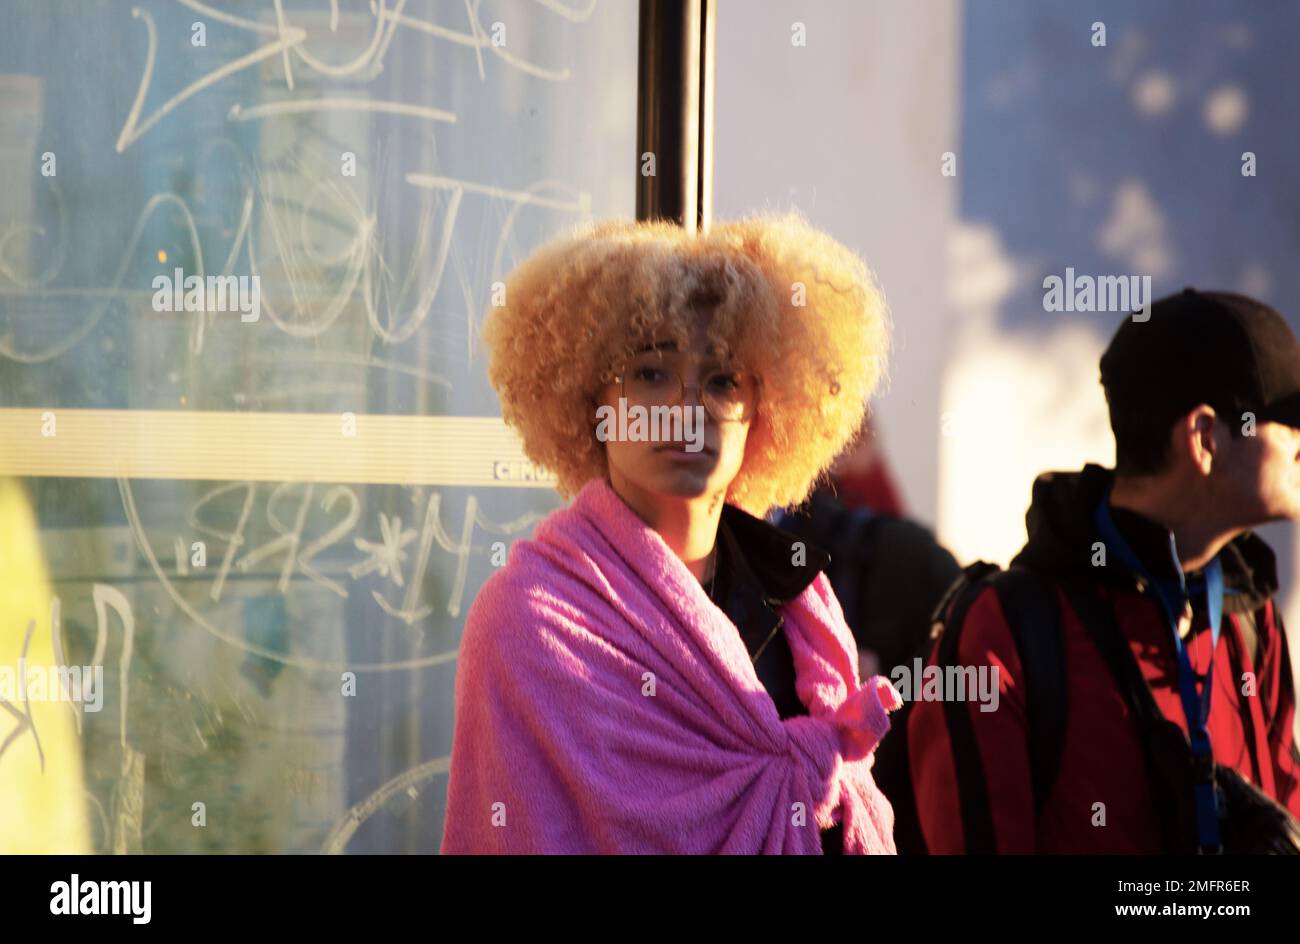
(675, 111)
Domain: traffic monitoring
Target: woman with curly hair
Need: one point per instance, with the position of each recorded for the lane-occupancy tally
(659, 669)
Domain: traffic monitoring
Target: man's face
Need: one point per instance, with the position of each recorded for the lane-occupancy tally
(1259, 475)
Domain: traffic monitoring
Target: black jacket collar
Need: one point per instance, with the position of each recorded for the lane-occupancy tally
(1062, 534)
(764, 553)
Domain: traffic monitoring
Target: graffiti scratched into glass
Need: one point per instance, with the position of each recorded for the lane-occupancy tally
(251, 469)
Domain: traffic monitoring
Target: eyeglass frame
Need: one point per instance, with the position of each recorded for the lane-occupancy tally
(620, 378)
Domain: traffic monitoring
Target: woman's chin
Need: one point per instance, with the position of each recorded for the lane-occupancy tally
(684, 483)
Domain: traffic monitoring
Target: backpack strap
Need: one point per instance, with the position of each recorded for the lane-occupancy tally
(1243, 636)
(1248, 623)
(1169, 761)
(972, 788)
(970, 575)
(1030, 609)
(1098, 618)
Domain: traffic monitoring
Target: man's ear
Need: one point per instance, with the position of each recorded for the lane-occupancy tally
(1196, 435)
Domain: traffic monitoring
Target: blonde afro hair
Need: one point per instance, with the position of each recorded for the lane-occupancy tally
(788, 303)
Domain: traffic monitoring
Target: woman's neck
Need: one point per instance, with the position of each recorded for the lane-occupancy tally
(689, 526)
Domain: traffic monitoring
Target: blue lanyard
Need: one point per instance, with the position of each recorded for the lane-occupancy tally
(1173, 596)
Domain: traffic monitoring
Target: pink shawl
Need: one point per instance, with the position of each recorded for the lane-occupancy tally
(604, 704)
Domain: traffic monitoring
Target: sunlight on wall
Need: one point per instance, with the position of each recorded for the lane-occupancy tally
(1012, 406)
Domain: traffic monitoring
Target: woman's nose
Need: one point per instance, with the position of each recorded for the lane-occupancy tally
(691, 395)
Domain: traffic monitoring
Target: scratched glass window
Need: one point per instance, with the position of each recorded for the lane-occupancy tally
(251, 470)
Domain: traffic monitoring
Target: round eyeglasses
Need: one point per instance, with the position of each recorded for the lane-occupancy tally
(727, 395)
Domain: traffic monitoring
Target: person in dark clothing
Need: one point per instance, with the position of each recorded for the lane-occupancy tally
(1204, 401)
(889, 574)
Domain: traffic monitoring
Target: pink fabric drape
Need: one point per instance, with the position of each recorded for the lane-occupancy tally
(604, 704)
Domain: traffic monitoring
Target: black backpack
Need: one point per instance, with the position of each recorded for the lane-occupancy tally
(1251, 821)
(1034, 621)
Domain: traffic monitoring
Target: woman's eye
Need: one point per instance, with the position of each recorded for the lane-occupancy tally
(724, 382)
(648, 374)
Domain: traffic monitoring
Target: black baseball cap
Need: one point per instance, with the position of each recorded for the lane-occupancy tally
(1230, 351)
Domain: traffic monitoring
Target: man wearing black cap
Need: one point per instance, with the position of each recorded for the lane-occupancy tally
(1155, 559)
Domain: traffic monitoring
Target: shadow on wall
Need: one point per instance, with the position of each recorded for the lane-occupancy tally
(1149, 139)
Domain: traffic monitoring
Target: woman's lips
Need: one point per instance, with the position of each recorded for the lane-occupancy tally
(677, 452)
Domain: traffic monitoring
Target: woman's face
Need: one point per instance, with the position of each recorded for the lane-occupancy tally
(691, 455)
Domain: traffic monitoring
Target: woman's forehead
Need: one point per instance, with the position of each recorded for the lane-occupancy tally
(669, 345)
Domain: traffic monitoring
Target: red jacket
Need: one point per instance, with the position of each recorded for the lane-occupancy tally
(1101, 760)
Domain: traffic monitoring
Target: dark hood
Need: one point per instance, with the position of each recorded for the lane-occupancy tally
(1062, 533)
